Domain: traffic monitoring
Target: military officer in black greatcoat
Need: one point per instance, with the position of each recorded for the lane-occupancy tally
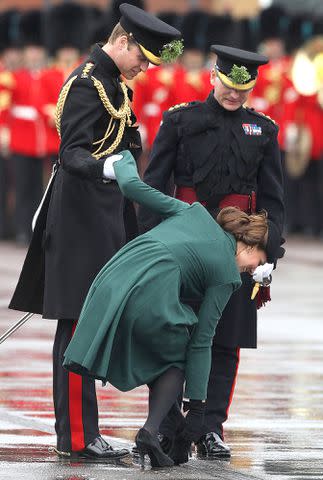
(84, 218)
(221, 153)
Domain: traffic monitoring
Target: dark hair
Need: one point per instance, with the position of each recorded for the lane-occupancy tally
(249, 229)
(117, 32)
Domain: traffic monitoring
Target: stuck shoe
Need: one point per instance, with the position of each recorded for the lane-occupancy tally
(180, 450)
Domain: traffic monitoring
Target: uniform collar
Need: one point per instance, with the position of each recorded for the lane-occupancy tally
(103, 60)
(217, 108)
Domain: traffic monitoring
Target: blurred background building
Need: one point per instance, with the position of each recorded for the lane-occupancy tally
(40, 44)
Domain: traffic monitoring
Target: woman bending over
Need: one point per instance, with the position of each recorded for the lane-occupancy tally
(134, 329)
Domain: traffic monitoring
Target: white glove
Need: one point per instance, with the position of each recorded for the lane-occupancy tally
(108, 170)
(263, 273)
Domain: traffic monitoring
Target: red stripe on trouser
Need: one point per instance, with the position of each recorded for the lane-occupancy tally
(234, 382)
(75, 408)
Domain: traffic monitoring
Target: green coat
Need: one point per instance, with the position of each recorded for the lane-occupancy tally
(133, 326)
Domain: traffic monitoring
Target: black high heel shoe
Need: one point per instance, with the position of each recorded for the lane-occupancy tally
(147, 443)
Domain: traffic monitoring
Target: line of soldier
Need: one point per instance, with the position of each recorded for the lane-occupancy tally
(29, 88)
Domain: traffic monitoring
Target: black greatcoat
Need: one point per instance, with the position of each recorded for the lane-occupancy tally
(81, 225)
(207, 147)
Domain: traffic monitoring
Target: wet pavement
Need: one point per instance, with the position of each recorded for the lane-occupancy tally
(275, 428)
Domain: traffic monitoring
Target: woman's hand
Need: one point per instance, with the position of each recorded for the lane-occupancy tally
(193, 420)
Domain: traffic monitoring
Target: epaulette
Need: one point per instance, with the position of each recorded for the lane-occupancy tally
(260, 114)
(87, 69)
(179, 105)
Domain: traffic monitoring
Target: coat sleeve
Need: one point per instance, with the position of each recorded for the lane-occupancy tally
(82, 110)
(160, 168)
(136, 190)
(198, 356)
(270, 195)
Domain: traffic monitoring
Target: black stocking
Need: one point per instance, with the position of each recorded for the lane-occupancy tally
(163, 393)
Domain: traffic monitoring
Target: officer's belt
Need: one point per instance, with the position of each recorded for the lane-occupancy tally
(247, 203)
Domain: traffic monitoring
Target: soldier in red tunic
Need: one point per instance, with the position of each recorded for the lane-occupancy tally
(300, 119)
(192, 79)
(27, 143)
(272, 81)
(304, 164)
(65, 46)
(153, 94)
(10, 58)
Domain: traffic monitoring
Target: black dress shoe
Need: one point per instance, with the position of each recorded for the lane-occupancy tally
(149, 444)
(211, 446)
(98, 449)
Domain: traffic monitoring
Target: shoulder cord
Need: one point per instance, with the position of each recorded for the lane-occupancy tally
(60, 104)
(123, 114)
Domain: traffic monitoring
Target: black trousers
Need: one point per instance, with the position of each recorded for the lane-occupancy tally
(29, 190)
(75, 402)
(222, 380)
